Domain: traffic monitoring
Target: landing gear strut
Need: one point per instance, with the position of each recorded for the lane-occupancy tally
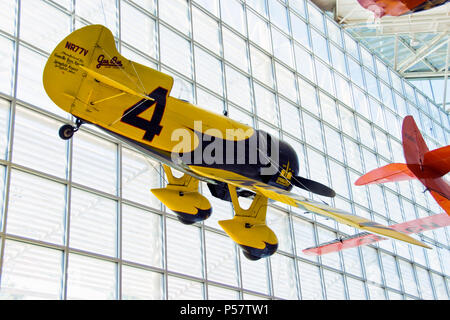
(66, 131)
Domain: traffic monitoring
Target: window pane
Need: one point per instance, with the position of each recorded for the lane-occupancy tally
(238, 88)
(254, 275)
(356, 289)
(278, 15)
(300, 31)
(28, 148)
(261, 66)
(29, 81)
(425, 285)
(37, 208)
(53, 24)
(265, 103)
(235, 49)
(6, 64)
(319, 45)
(8, 17)
(334, 284)
(94, 162)
(90, 278)
(208, 101)
(141, 236)
(283, 275)
(290, 119)
(308, 97)
(375, 292)
(184, 248)
(31, 272)
(439, 286)
(315, 17)
(210, 5)
(176, 52)
(218, 293)
(304, 237)
(132, 20)
(139, 175)
(286, 82)
(4, 127)
(334, 145)
(182, 289)
(93, 223)
(282, 47)
(221, 258)
(232, 13)
(2, 192)
(258, 31)
(390, 271)
(206, 30)
(310, 281)
(176, 14)
(313, 131)
(304, 63)
(208, 71)
(278, 221)
(98, 12)
(139, 284)
(373, 271)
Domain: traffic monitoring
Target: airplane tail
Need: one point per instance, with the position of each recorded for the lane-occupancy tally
(86, 67)
(421, 163)
(414, 146)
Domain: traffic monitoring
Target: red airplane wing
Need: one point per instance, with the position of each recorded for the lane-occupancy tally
(389, 173)
(413, 226)
(438, 160)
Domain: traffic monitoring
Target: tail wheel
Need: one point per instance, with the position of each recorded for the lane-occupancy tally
(66, 132)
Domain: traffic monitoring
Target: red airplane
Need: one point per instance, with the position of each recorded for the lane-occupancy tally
(399, 7)
(414, 226)
(427, 166)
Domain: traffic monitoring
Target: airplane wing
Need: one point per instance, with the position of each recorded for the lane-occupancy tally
(389, 173)
(413, 226)
(304, 203)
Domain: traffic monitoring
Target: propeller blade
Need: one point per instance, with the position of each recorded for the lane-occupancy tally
(313, 186)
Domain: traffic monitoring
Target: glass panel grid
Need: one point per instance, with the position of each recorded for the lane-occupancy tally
(229, 53)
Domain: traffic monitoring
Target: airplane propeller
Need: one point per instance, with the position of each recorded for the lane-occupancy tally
(313, 186)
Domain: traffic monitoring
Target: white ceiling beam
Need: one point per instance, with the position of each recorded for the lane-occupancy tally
(425, 61)
(422, 52)
(423, 75)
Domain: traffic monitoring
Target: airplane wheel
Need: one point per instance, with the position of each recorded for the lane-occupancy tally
(66, 132)
(250, 256)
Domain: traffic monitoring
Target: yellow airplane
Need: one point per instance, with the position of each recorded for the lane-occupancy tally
(86, 76)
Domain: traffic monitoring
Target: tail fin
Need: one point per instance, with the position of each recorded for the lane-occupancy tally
(414, 146)
(389, 173)
(89, 54)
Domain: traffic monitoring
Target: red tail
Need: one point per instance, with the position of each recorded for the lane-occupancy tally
(414, 147)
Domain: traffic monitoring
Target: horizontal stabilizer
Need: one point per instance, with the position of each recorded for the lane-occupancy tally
(413, 226)
(389, 173)
(112, 83)
(438, 160)
(442, 201)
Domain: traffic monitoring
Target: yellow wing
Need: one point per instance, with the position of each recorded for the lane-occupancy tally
(306, 204)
